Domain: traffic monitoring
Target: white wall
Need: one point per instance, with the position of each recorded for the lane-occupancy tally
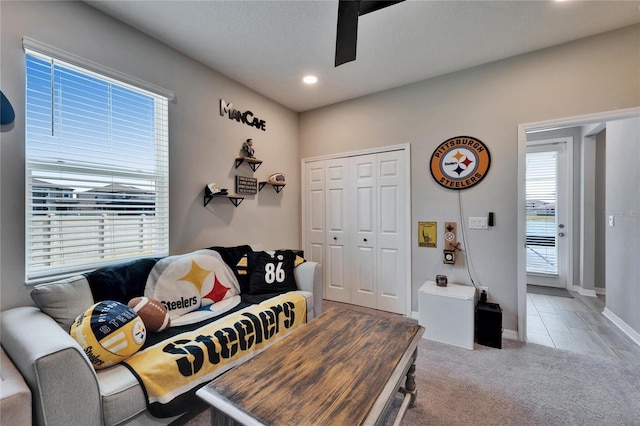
(203, 144)
(488, 102)
(623, 239)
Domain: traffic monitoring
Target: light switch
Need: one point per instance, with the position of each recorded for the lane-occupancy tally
(611, 222)
(478, 223)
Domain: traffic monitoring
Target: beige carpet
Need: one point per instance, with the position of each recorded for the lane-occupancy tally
(521, 384)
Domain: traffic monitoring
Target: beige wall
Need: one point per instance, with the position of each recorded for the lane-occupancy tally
(203, 144)
(488, 102)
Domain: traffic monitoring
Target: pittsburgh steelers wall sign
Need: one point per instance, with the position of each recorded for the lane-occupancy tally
(460, 162)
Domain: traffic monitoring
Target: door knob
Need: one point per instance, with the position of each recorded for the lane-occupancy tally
(560, 234)
(365, 240)
(335, 238)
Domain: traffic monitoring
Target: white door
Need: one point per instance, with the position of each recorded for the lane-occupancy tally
(392, 232)
(314, 210)
(364, 217)
(547, 228)
(361, 233)
(337, 231)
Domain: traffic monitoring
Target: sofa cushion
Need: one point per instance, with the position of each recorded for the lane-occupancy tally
(232, 256)
(271, 272)
(120, 282)
(63, 300)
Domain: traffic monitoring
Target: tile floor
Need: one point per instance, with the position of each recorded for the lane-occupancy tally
(577, 325)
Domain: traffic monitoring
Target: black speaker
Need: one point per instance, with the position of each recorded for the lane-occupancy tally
(489, 325)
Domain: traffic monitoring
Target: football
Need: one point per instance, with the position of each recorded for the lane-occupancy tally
(109, 332)
(152, 312)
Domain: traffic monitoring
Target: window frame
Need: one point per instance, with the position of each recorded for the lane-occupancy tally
(159, 176)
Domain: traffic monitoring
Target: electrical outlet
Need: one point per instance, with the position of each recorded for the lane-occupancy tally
(485, 289)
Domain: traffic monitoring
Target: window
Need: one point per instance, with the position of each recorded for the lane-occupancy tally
(96, 170)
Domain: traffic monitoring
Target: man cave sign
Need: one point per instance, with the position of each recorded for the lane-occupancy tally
(460, 162)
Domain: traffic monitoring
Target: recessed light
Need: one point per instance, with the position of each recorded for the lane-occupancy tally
(310, 79)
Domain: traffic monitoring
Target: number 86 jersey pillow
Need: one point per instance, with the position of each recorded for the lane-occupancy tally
(272, 272)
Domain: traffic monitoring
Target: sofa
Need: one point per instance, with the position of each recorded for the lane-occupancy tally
(67, 389)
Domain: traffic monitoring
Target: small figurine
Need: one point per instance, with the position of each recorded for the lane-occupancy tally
(247, 147)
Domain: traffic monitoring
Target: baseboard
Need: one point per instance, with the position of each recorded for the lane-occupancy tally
(510, 334)
(601, 290)
(582, 291)
(507, 334)
(626, 328)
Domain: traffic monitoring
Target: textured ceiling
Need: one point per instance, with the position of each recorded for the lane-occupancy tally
(269, 45)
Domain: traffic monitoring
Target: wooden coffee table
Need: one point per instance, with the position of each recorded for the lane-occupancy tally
(343, 368)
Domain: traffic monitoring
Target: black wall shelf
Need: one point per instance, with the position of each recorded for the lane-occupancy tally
(276, 186)
(235, 200)
(254, 163)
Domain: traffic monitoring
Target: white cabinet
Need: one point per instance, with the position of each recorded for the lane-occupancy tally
(356, 223)
(447, 313)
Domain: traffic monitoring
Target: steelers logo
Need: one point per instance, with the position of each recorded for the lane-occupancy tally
(460, 162)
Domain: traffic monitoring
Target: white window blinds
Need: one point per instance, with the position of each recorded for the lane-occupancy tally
(96, 170)
(542, 199)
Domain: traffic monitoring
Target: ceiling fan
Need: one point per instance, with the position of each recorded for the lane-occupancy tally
(347, 33)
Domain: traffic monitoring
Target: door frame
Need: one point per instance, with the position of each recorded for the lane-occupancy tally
(406, 149)
(565, 185)
(521, 202)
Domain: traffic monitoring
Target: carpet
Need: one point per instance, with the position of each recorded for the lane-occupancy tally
(548, 291)
(521, 384)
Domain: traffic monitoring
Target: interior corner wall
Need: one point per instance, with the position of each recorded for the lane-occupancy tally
(203, 144)
(623, 202)
(488, 102)
(601, 220)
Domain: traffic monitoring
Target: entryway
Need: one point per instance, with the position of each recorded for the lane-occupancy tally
(598, 245)
(576, 324)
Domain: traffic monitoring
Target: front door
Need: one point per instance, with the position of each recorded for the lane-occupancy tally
(547, 228)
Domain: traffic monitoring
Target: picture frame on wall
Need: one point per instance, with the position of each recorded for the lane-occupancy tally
(246, 185)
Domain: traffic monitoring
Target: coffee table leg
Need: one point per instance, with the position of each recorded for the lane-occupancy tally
(218, 418)
(409, 391)
(410, 381)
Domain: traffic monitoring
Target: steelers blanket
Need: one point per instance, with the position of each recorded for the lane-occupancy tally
(171, 371)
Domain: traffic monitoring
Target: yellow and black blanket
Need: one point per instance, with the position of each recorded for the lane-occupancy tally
(172, 370)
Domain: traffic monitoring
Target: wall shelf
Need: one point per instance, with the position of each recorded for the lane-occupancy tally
(254, 163)
(276, 186)
(235, 200)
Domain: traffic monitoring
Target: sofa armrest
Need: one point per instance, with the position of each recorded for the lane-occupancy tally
(15, 396)
(63, 383)
(309, 278)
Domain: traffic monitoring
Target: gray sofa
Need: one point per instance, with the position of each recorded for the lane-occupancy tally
(66, 389)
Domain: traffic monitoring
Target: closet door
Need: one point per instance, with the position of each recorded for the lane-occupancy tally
(337, 256)
(314, 210)
(363, 212)
(392, 232)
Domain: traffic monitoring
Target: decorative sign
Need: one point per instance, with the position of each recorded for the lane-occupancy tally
(428, 234)
(246, 185)
(460, 162)
(246, 117)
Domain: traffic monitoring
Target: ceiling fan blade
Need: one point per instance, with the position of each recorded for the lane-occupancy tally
(347, 32)
(367, 6)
